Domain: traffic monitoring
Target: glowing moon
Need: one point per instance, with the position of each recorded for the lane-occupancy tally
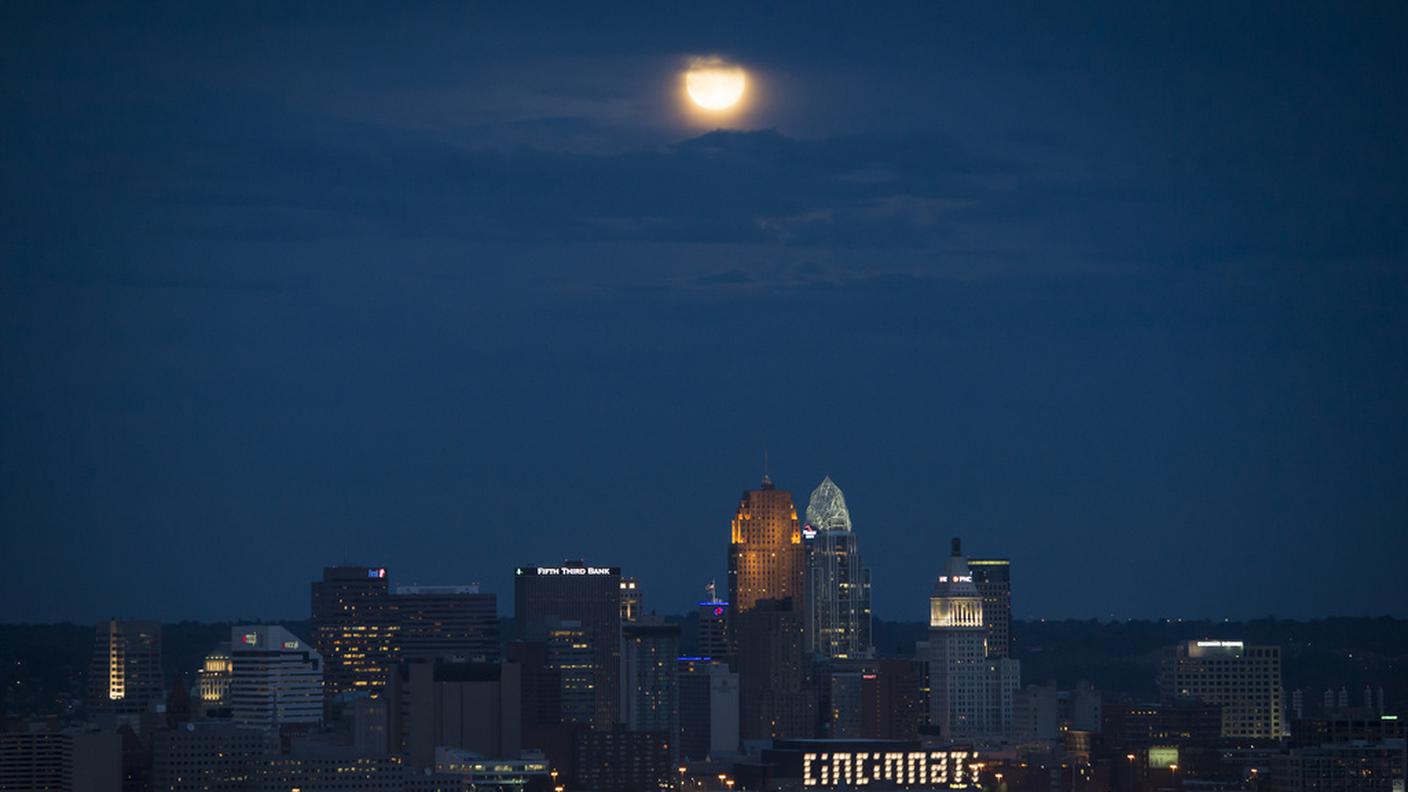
(714, 85)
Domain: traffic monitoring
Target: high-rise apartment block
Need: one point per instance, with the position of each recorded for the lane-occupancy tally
(1245, 680)
(546, 598)
(277, 679)
(837, 600)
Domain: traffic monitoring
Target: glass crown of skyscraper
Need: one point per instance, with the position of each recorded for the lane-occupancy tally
(826, 511)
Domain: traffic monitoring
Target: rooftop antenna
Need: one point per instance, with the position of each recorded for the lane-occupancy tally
(767, 480)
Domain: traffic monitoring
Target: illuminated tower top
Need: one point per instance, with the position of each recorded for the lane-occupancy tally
(765, 549)
(826, 511)
(956, 603)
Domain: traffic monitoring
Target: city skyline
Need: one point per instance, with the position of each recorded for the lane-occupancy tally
(1117, 293)
(667, 606)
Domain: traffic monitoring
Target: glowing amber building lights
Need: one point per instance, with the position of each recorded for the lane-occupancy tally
(765, 558)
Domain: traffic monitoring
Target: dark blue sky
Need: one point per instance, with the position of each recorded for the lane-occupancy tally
(1119, 291)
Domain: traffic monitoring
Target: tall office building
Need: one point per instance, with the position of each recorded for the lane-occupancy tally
(837, 602)
(777, 697)
(649, 681)
(993, 577)
(708, 709)
(352, 628)
(445, 622)
(277, 679)
(125, 675)
(765, 560)
(970, 693)
(546, 597)
(632, 600)
(1245, 680)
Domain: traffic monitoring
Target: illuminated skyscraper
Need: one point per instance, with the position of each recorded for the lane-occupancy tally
(765, 558)
(993, 577)
(837, 602)
(353, 628)
(970, 693)
(125, 676)
(546, 597)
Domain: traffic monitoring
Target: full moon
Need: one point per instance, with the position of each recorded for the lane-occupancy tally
(714, 85)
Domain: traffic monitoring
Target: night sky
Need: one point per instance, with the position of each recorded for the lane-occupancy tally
(1118, 291)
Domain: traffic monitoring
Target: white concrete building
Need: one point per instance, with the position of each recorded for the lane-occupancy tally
(277, 679)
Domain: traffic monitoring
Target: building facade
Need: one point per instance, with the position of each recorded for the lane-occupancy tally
(546, 598)
(777, 695)
(708, 709)
(837, 600)
(213, 679)
(353, 629)
(632, 600)
(765, 558)
(276, 680)
(71, 760)
(649, 678)
(993, 577)
(208, 757)
(970, 693)
(470, 706)
(125, 675)
(445, 622)
(1244, 680)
